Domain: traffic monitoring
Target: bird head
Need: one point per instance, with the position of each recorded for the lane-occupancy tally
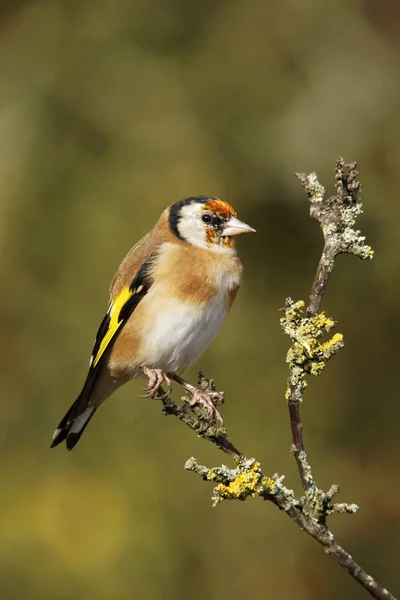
(206, 222)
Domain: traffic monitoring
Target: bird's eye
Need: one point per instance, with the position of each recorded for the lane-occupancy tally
(206, 218)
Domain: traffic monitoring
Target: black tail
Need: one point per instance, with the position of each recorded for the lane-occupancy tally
(73, 425)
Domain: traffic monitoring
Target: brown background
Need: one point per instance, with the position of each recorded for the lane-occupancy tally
(109, 111)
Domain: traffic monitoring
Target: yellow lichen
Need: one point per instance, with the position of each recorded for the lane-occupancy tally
(321, 321)
(306, 351)
(316, 367)
(267, 482)
(293, 312)
(247, 483)
(336, 339)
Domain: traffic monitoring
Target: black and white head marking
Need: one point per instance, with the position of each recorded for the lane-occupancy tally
(195, 221)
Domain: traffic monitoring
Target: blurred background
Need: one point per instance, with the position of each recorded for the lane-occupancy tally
(110, 111)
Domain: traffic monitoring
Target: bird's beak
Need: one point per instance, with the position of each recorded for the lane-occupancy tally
(236, 227)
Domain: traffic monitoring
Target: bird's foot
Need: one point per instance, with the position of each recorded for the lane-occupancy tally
(156, 378)
(207, 400)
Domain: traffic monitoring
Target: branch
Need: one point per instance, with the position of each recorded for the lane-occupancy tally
(197, 420)
(308, 355)
(337, 216)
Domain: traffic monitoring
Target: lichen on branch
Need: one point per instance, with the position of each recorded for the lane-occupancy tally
(235, 484)
(307, 354)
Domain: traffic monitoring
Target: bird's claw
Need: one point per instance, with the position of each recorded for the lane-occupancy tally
(156, 378)
(205, 399)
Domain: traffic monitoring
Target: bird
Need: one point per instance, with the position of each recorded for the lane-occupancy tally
(168, 299)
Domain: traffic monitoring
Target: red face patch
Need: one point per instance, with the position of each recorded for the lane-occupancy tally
(221, 208)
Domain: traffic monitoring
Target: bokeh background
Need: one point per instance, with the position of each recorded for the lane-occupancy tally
(109, 111)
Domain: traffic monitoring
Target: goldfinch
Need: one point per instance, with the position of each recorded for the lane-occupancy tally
(168, 299)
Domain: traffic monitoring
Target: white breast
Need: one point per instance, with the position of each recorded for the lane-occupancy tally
(179, 332)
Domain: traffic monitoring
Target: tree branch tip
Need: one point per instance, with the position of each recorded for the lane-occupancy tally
(278, 478)
(343, 508)
(346, 175)
(314, 190)
(191, 464)
(302, 178)
(333, 491)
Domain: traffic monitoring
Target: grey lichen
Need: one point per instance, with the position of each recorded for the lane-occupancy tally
(337, 215)
(342, 508)
(307, 473)
(318, 504)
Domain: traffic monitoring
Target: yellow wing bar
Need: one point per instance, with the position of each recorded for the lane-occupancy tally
(113, 322)
(119, 312)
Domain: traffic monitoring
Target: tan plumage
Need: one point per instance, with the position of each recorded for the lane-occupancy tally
(167, 300)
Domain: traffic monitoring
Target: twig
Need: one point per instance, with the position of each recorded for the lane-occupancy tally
(196, 420)
(307, 355)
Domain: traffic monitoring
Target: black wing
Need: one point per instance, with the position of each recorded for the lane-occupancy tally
(120, 309)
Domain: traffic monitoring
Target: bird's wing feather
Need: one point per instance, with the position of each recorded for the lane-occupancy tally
(121, 306)
(129, 285)
(120, 309)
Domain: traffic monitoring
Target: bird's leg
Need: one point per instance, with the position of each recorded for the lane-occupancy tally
(202, 397)
(156, 378)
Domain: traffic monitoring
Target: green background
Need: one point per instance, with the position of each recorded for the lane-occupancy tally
(110, 111)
